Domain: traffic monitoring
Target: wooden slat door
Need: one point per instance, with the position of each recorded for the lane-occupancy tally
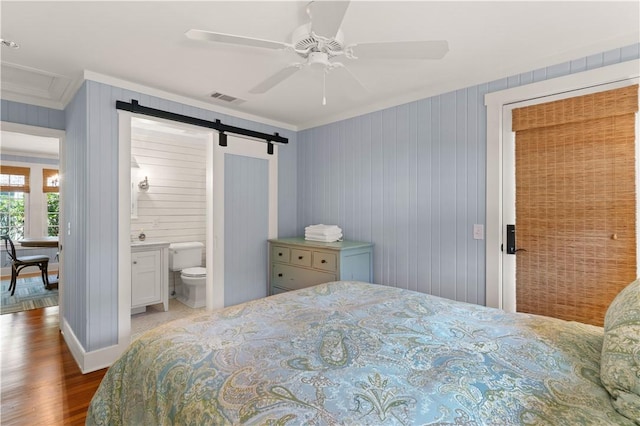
(575, 204)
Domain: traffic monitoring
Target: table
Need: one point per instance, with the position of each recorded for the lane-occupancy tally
(39, 242)
(42, 242)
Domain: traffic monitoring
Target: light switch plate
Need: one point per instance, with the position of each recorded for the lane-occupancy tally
(478, 232)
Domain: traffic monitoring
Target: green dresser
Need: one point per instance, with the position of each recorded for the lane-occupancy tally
(295, 263)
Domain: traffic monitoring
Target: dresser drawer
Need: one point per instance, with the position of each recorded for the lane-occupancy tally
(325, 261)
(300, 257)
(280, 254)
(293, 278)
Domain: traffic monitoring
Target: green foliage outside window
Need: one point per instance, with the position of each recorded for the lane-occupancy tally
(53, 214)
(12, 214)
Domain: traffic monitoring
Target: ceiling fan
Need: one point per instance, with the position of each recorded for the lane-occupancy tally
(321, 41)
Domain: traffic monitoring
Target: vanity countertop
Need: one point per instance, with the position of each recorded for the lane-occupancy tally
(149, 244)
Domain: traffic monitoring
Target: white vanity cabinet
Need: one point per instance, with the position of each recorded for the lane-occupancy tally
(149, 275)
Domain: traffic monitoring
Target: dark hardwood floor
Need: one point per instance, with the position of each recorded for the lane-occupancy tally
(41, 382)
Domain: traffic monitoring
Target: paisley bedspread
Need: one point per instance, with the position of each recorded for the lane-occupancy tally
(358, 354)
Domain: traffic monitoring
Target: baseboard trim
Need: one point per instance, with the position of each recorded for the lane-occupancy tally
(89, 361)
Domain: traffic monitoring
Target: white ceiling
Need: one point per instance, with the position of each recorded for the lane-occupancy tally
(23, 144)
(144, 43)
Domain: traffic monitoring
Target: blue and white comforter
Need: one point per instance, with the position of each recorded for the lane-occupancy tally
(358, 354)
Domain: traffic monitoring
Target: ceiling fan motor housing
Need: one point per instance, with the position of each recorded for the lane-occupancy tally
(305, 42)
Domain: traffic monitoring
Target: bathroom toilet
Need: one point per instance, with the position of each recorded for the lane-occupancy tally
(187, 258)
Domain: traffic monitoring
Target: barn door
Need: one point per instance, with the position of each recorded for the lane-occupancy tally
(244, 217)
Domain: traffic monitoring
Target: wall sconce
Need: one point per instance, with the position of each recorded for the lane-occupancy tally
(144, 184)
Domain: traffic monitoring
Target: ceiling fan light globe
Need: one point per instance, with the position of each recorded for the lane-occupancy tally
(318, 59)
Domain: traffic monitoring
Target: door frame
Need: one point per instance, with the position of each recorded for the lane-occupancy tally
(214, 213)
(124, 214)
(47, 132)
(499, 293)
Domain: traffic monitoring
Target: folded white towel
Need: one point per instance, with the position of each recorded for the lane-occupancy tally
(323, 233)
(323, 229)
(325, 239)
(316, 235)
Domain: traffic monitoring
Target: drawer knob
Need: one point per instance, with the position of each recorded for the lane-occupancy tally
(323, 261)
(135, 263)
(279, 275)
(300, 257)
(279, 254)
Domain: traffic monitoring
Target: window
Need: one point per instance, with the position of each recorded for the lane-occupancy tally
(12, 214)
(14, 184)
(51, 187)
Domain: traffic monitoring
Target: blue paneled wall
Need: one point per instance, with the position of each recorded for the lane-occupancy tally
(411, 179)
(97, 284)
(90, 153)
(16, 112)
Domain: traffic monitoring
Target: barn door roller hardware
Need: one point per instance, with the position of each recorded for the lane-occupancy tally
(217, 125)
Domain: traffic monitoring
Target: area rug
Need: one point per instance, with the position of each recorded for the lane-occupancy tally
(30, 294)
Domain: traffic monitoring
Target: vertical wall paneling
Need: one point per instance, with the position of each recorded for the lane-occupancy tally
(403, 196)
(411, 179)
(473, 189)
(448, 211)
(246, 205)
(462, 195)
(436, 161)
(75, 200)
(377, 217)
(16, 112)
(91, 262)
(389, 195)
(91, 125)
(423, 205)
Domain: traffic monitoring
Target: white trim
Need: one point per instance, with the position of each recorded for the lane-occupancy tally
(211, 247)
(124, 231)
(45, 132)
(495, 103)
(88, 361)
(123, 84)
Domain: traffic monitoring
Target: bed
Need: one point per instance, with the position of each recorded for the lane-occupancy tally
(362, 354)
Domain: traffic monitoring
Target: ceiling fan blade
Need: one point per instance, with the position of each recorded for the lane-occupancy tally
(234, 39)
(358, 84)
(276, 79)
(326, 16)
(434, 49)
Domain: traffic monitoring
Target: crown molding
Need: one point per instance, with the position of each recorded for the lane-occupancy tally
(124, 84)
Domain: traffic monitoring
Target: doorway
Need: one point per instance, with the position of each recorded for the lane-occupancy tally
(39, 150)
(500, 268)
(223, 186)
(574, 178)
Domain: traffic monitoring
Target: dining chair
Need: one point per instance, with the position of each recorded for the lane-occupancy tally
(19, 263)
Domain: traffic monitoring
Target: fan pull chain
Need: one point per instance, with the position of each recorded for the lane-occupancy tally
(324, 88)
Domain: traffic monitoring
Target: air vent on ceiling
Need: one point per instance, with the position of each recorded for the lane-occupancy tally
(226, 98)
